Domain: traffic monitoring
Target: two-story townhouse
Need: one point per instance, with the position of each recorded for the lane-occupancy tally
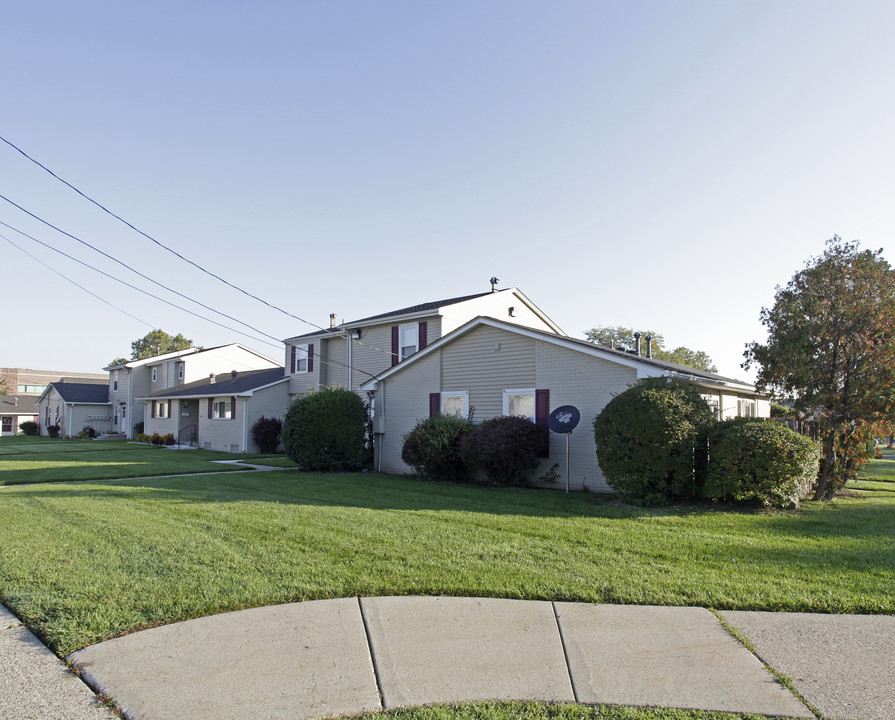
(134, 379)
(352, 353)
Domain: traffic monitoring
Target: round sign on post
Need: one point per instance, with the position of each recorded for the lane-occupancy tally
(563, 420)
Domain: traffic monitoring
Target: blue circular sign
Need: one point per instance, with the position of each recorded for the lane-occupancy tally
(563, 419)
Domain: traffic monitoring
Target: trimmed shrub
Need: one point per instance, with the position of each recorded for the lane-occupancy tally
(506, 449)
(53, 431)
(138, 428)
(649, 443)
(266, 433)
(87, 432)
(29, 427)
(761, 461)
(168, 439)
(432, 448)
(326, 430)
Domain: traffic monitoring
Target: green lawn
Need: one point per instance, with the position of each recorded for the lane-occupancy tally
(81, 562)
(35, 460)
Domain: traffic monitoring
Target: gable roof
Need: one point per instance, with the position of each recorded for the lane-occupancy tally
(646, 367)
(18, 405)
(423, 309)
(81, 392)
(246, 382)
(182, 353)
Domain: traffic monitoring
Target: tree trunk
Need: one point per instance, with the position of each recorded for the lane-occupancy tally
(824, 489)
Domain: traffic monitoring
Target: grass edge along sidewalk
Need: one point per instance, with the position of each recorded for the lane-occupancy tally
(86, 561)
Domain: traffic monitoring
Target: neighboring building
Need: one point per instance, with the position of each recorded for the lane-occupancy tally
(73, 406)
(491, 367)
(24, 387)
(133, 379)
(217, 413)
(353, 353)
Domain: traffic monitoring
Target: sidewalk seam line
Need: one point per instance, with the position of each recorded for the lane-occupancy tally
(363, 617)
(565, 651)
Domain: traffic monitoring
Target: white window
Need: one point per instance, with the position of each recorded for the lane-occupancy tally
(221, 410)
(519, 402)
(155, 374)
(455, 403)
(746, 408)
(301, 358)
(161, 409)
(115, 381)
(408, 340)
(180, 371)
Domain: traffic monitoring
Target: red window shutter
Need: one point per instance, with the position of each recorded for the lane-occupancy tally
(293, 358)
(153, 408)
(434, 404)
(311, 357)
(542, 412)
(395, 349)
(210, 403)
(424, 328)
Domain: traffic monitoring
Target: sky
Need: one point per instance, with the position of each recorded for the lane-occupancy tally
(657, 165)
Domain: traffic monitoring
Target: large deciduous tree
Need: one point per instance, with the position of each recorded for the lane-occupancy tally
(619, 336)
(831, 349)
(158, 342)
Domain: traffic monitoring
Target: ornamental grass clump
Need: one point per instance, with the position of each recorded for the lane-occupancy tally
(760, 461)
(649, 441)
(432, 448)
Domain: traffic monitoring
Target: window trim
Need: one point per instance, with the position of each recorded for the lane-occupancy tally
(155, 374)
(301, 356)
(228, 412)
(461, 394)
(413, 329)
(508, 392)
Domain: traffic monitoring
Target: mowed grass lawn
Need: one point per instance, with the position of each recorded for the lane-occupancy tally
(82, 562)
(35, 459)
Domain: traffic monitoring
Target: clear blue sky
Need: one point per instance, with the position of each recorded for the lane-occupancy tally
(662, 165)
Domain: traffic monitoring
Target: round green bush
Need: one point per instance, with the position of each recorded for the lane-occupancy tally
(760, 461)
(432, 448)
(326, 430)
(29, 427)
(648, 441)
(506, 449)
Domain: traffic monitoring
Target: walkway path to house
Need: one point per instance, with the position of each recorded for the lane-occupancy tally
(346, 656)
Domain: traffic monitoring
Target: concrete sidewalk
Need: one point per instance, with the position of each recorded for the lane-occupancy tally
(350, 655)
(347, 656)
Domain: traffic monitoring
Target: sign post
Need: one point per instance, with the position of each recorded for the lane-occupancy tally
(563, 420)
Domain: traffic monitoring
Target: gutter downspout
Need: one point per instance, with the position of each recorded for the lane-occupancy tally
(245, 427)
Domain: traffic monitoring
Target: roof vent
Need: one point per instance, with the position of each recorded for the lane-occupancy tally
(494, 282)
(332, 321)
(211, 378)
(233, 375)
(637, 343)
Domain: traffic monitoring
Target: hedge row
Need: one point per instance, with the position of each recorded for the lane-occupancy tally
(503, 450)
(659, 441)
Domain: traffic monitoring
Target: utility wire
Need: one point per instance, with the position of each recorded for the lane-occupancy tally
(278, 344)
(68, 279)
(135, 271)
(170, 250)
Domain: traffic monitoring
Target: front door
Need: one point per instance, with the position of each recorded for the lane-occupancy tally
(7, 425)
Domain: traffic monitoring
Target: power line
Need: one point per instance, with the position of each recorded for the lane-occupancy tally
(170, 250)
(135, 271)
(68, 279)
(146, 292)
(278, 345)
